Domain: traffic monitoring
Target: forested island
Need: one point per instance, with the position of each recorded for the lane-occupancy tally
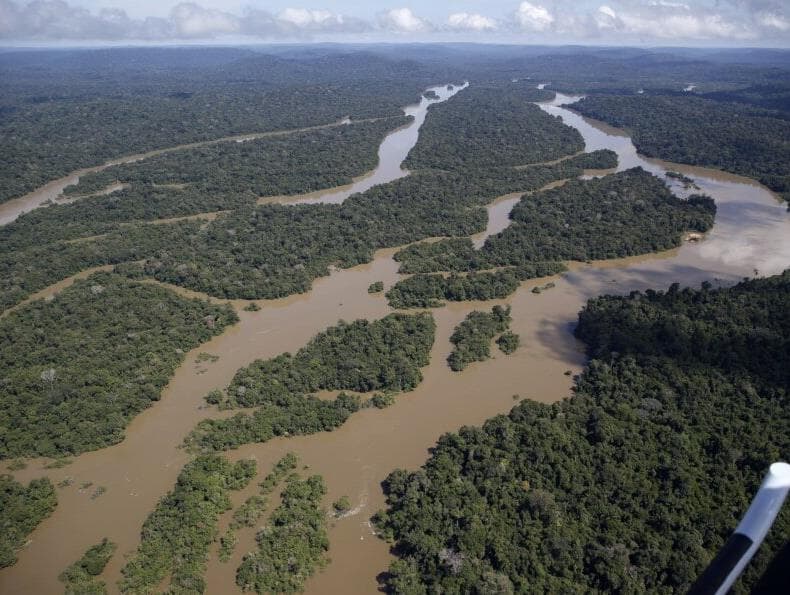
(177, 535)
(384, 355)
(472, 338)
(77, 368)
(634, 482)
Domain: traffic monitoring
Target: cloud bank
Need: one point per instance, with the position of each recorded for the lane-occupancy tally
(529, 21)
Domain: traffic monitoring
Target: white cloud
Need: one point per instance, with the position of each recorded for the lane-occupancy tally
(463, 21)
(772, 20)
(403, 20)
(534, 17)
(193, 21)
(663, 20)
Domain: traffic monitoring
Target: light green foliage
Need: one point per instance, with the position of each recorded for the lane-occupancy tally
(293, 546)
(376, 287)
(176, 536)
(21, 509)
(472, 338)
(77, 368)
(249, 512)
(341, 505)
(80, 577)
(634, 482)
(281, 468)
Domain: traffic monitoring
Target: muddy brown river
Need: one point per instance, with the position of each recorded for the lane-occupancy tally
(752, 232)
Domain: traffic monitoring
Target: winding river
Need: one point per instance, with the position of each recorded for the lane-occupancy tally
(752, 231)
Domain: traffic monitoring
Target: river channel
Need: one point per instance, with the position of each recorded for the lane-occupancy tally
(752, 232)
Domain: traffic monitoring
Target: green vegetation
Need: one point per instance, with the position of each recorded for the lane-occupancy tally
(508, 342)
(380, 400)
(62, 113)
(634, 482)
(252, 307)
(281, 468)
(363, 356)
(376, 287)
(622, 214)
(294, 546)
(428, 291)
(249, 512)
(80, 577)
(288, 164)
(472, 338)
(176, 536)
(21, 510)
(227, 543)
(739, 138)
(268, 251)
(341, 506)
(79, 367)
(491, 126)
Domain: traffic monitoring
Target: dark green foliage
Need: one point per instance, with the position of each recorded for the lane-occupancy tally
(376, 287)
(742, 139)
(508, 342)
(21, 510)
(61, 119)
(78, 368)
(491, 126)
(428, 291)
(79, 578)
(176, 536)
(294, 546)
(472, 338)
(288, 164)
(26, 271)
(634, 482)
(267, 252)
(293, 415)
(281, 468)
(623, 214)
(380, 400)
(362, 356)
(341, 505)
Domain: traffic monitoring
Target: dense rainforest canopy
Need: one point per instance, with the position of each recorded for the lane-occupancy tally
(491, 126)
(177, 535)
(21, 509)
(472, 338)
(743, 139)
(362, 356)
(631, 484)
(77, 368)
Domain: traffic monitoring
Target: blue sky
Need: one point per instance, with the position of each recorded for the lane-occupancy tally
(597, 22)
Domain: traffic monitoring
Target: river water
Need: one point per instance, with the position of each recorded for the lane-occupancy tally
(751, 232)
(392, 152)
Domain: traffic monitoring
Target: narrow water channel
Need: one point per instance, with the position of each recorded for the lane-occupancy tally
(392, 152)
(751, 232)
